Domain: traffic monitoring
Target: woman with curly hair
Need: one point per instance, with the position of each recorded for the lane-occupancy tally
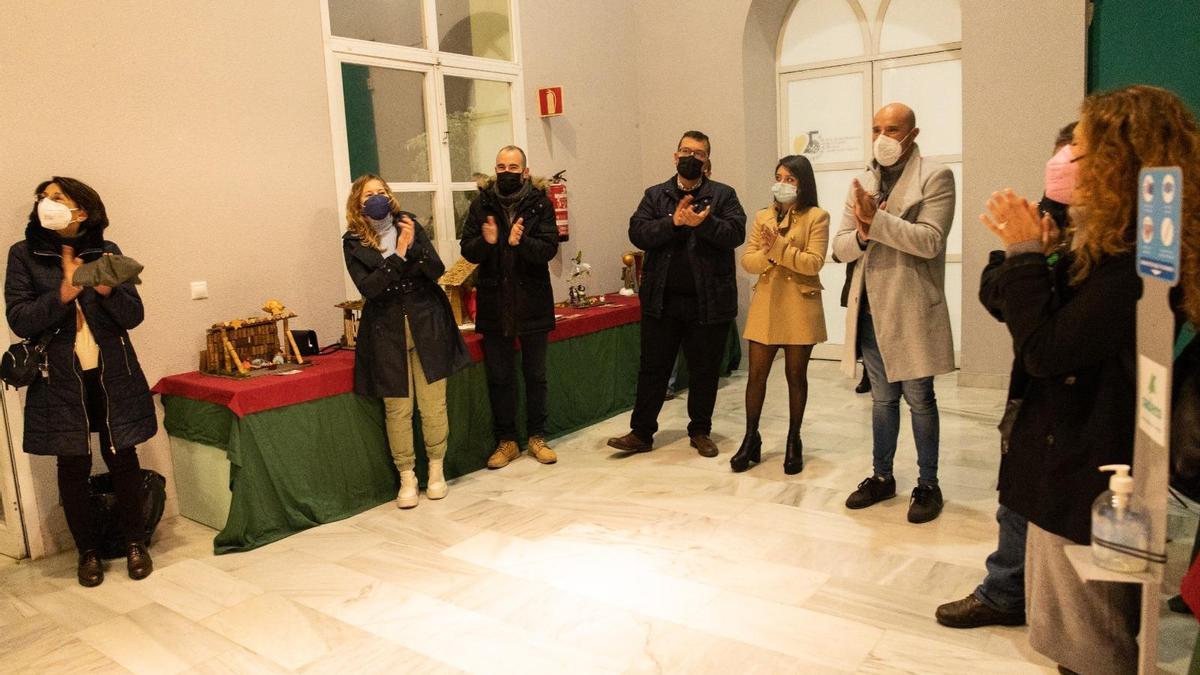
(1076, 339)
(408, 342)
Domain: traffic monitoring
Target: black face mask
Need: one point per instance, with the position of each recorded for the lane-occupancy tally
(1056, 210)
(508, 183)
(689, 168)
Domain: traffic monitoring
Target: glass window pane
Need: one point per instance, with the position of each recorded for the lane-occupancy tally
(909, 24)
(385, 123)
(475, 28)
(825, 118)
(934, 92)
(396, 22)
(821, 30)
(462, 203)
(419, 204)
(479, 117)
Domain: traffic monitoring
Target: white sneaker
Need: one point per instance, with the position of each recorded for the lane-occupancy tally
(407, 498)
(436, 488)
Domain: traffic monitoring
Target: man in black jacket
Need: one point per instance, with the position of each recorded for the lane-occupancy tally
(689, 227)
(511, 234)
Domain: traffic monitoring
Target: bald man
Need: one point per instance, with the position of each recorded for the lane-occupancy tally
(894, 224)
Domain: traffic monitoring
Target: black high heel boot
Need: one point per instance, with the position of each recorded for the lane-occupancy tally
(793, 454)
(749, 452)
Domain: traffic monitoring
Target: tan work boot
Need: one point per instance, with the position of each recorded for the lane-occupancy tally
(408, 490)
(436, 488)
(540, 451)
(506, 451)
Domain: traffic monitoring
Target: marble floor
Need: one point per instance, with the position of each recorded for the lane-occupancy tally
(663, 562)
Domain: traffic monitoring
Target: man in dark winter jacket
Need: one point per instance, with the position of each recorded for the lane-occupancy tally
(689, 227)
(511, 234)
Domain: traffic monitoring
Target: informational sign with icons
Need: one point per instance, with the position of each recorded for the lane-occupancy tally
(1159, 215)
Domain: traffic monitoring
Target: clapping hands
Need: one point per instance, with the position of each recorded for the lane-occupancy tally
(1014, 220)
(685, 216)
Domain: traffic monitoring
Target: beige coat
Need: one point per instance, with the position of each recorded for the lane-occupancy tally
(786, 306)
(904, 270)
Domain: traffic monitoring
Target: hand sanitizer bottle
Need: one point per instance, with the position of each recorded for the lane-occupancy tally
(1119, 519)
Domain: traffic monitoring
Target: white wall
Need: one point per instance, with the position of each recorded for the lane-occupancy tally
(588, 48)
(1022, 81)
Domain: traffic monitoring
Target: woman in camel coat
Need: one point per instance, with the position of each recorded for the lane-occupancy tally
(786, 249)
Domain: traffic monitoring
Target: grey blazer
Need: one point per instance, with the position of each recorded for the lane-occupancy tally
(904, 269)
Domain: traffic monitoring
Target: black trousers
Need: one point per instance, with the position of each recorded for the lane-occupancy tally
(703, 346)
(122, 463)
(499, 360)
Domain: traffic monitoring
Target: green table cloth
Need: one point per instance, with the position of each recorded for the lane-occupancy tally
(315, 462)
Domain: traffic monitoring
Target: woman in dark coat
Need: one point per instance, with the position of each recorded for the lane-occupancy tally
(408, 342)
(93, 381)
(1076, 338)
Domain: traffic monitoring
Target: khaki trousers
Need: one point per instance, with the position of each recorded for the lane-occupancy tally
(430, 398)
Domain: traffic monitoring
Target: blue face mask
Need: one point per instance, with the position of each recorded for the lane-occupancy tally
(377, 207)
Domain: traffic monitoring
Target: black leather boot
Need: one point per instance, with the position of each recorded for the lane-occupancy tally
(138, 562)
(793, 454)
(91, 569)
(749, 452)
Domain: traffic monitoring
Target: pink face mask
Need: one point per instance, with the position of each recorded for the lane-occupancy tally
(1061, 171)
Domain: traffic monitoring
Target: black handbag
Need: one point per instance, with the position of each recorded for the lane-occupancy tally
(105, 519)
(25, 362)
(1011, 409)
(306, 341)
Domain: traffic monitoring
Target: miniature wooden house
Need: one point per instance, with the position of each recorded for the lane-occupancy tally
(239, 346)
(457, 282)
(351, 316)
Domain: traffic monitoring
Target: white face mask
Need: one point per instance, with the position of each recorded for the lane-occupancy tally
(887, 150)
(54, 216)
(784, 193)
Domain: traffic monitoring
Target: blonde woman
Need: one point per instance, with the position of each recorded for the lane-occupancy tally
(786, 249)
(408, 342)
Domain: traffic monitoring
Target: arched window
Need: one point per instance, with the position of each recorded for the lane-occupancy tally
(841, 60)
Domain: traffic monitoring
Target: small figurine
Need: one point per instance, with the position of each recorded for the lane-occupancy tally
(274, 308)
(628, 275)
(576, 286)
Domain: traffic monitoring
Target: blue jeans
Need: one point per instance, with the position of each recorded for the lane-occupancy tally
(885, 410)
(1003, 589)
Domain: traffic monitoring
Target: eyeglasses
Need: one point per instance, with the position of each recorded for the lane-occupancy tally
(688, 152)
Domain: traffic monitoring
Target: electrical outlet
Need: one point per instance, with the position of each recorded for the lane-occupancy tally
(199, 290)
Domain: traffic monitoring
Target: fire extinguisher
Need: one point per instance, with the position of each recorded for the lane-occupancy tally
(558, 195)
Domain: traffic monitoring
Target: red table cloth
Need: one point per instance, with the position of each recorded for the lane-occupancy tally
(333, 374)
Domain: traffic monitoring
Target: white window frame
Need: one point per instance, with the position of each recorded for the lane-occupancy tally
(434, 65)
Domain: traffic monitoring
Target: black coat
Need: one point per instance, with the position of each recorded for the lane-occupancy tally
(56, 420)
(1076, 345)
(393, 288)
(709, 247)
(992, 301)
(513, 292)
